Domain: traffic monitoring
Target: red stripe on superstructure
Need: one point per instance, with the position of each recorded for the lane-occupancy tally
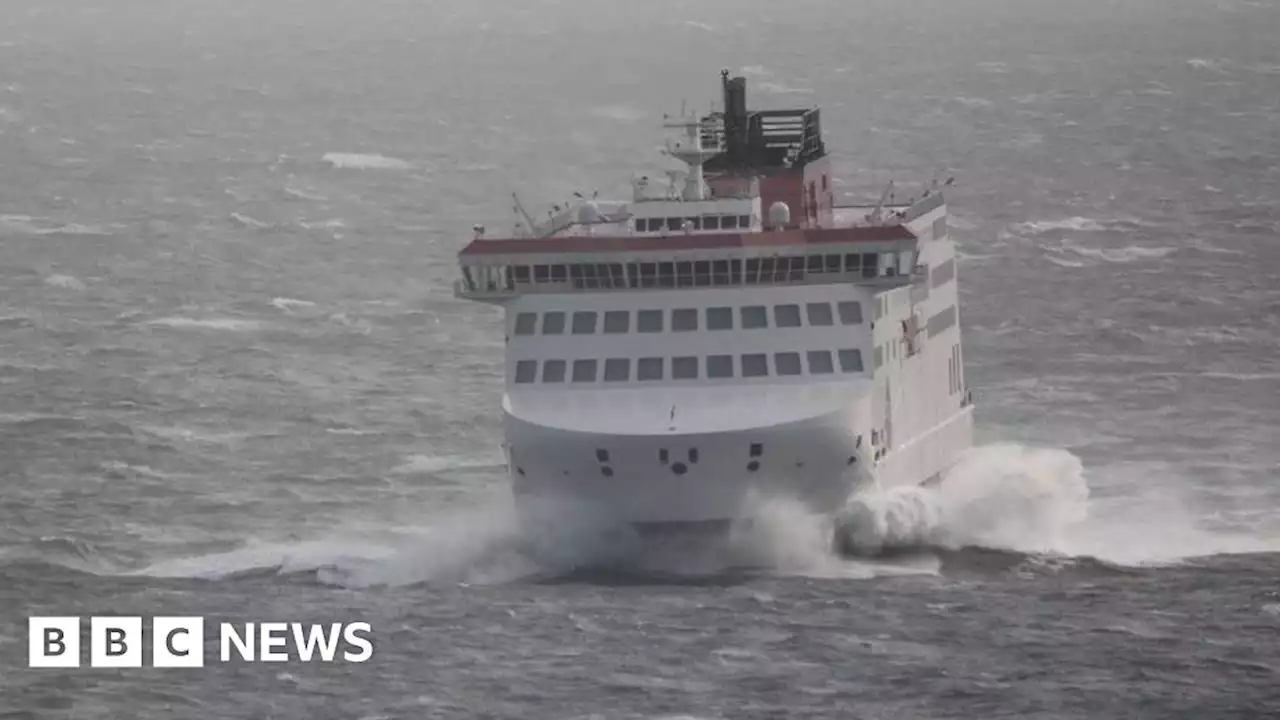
(706, 241)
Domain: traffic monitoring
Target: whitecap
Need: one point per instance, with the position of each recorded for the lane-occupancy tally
(439, 463)
(1127, 254)
(287, 304)
(1064, 263)
(360, 161)
(248, 222)
(699, 25)
(1077, 223)
(220, 323)
(65, 282)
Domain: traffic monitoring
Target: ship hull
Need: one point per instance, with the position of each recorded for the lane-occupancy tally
(709, 479)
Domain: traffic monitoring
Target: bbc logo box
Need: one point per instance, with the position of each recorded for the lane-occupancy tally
(178, 642)
(115, 642)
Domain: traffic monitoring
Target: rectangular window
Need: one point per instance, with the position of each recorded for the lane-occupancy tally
(757, 450)
(940, 228)
(850, 360)
(711, 222)
(819, 362)
(786, 363)
(553, 371)
(584, 323)
(526, 371)
(819, 314)
(617, 321)
(786, 315)
(526, 323)
(754, 316)
(879, 356)
(684, 320)
(584, 371)
(649, 368)
(553, 323)
(649, 321)
(617, 370)
(642, 224)
(673, 224)
(729, 222)
(719, 318)
(684, 274)
(720, 272)
(702, 273)
(942, 321)
(719, 366)
(833, 263)
(850, 312)
(755, 365)
(744, 221)
(942, 273)
(684, 368)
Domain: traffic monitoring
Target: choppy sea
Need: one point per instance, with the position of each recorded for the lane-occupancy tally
(234, 382)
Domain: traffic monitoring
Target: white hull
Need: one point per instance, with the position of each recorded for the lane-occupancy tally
(817, 460)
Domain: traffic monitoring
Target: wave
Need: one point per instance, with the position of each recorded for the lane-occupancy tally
(1126, 254)
(440, 463)
(699, 25)
(66, 282)
(244, 221)
(224, 324)
(288, 304)
(1077, 224)
(28, 225)
(358, 161)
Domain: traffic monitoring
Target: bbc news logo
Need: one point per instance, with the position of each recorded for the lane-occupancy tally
(178, 642)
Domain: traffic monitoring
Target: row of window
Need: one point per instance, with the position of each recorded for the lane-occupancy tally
(750, 365)
(701, 273)
(698, 222)
(749, 317)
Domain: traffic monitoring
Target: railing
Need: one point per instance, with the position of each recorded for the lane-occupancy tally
(511, 288)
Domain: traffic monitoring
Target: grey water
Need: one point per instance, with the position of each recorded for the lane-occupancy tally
(234, 381)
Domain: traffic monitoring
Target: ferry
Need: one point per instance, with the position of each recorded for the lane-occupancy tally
(729, 335)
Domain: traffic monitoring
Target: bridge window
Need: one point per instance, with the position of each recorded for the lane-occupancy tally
(684, 320)
(942, 273)
(648, 275)
(711, 222)
(755, 365)
(754, 316)
(649, 368)
(584, 371)
(744, 221)
(666, 274)
(943, 321)
(819, 314)
(820, 362)
(786, 363)
(642, 224)
(684, 368)
(553, 323)
(526, 323)
(702, 273)
(584, 323)
(852, 262)
(786, 315)
(729, 222)
(673, 224)
(850, 312)
(526, 371)
(617, 370)
(617, 321)
(719, 366)
(719, 318)
(553, 371)
(649, 321)
(684, 274)
(720, 272)
(850, 360)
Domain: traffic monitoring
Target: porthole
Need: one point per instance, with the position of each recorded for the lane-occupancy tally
(852, 459)
(606, 471)
(757, 449)
(753, 466)
(679, 468)
(602, 456)
(663, 456)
